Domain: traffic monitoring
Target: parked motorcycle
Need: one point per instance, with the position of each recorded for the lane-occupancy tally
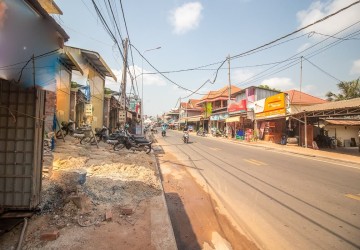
(200, 132)
(66, 128)
(134, 143)
(186, 137)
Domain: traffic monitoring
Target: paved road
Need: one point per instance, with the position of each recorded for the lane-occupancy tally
(283, 201)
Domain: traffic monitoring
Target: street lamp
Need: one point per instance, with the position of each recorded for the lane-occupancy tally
(142, 88)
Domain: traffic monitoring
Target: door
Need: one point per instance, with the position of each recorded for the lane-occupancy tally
(21, 141)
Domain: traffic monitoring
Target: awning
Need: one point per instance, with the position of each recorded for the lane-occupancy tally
(193, 119)
(344, 122)
(233, 119)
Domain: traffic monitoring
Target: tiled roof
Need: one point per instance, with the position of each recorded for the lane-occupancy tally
(352, 103)
(190, 105)
(193, 102)
(223, 92)
(297, 97)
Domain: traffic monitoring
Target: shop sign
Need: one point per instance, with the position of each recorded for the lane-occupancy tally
(208, 110)
(218, 117)
(237, 106)
(132, 106)
(270, 107)
(122, 116)
(223, 116)
(214, 118)
(88, 109)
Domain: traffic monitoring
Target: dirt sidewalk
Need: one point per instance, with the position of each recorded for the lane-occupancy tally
(98, 199)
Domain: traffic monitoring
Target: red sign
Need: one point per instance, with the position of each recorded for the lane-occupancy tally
(237, 106)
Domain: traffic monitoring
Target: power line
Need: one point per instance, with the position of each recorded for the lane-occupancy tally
(239, 67)
(339, 38)
(131, 53)
(260, 75)
(178, 85)
(298, 30)
(252, 51)
(322, 70)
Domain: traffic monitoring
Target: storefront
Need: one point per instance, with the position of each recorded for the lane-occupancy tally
(217, 121)
(235, 121)
(270, 116)
(194, 122)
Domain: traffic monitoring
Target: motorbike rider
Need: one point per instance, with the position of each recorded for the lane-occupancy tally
(163, 129)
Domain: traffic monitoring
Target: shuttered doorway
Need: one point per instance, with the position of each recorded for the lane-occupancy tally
(21, 141)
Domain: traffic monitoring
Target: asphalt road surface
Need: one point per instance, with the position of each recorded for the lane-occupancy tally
(283, 201)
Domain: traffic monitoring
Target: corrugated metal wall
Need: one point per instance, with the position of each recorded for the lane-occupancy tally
(21, 141)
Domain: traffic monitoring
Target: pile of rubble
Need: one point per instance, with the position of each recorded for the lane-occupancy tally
(87, 187)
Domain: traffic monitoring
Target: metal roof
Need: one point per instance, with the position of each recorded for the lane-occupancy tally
(351, 103)
(50, 6)
(349, 107)
(41, 11)
(70, 62)
(344, 122)
(96, 60)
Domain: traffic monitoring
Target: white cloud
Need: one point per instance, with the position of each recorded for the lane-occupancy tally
(186, 17)
(355, 69)
(303, 47)
(283, 83)
(318, 10)
(241, 75)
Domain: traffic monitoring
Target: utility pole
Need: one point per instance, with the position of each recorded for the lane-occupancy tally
(123, 80)
(305, 121)
(229, 98)
(229, 81)
(179, 112)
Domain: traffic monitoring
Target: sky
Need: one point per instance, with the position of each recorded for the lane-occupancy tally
(193, 34)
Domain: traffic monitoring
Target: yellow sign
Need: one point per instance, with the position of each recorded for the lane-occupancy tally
(88, 109)
(208, 110)
(271, 106)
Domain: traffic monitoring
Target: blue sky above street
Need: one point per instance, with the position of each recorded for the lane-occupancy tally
(198, 33)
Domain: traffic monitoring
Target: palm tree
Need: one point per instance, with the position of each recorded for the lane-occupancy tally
(348, 90)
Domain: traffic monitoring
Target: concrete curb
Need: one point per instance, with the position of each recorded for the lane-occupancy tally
(162, 233)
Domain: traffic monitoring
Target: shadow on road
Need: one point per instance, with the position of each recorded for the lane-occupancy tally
(184, 234)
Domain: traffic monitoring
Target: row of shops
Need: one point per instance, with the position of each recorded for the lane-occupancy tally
(281, 117)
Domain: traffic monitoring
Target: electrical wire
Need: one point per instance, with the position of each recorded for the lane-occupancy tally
(239, 67)
(314, 32)
(257, 49)
(260, 75)
(131, 52)
(322, 70)
(178, 85)
(298, 30)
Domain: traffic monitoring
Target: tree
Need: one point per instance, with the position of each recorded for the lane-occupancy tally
(348, 90)
(267, 87)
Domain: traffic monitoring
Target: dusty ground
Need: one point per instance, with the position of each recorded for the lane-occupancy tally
(84, 184)
(196, 218)
(117, 180)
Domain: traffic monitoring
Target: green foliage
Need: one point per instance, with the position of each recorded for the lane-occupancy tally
(74, 85)
(348, 90)
(267, 87)
(107, 91)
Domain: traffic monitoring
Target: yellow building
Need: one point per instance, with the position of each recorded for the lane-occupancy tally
(91, 73)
